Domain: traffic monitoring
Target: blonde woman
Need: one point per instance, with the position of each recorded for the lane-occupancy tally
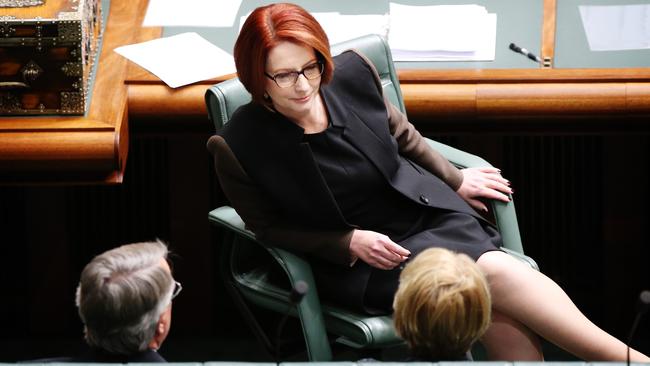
(442, 305)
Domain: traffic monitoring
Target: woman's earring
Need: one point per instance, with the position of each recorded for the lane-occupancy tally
(266, 96)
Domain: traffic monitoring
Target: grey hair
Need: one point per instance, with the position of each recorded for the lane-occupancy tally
(121, 295)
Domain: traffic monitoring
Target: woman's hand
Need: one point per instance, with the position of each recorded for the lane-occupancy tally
(483, 183)
(377, 249)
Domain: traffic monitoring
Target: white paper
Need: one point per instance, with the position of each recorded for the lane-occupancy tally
(340, 28)
(181, 59)
(616, 27)
(442, 33)
(191, 13)
(485, 51)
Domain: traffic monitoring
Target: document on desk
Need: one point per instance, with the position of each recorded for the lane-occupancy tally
(191, 13)
(181, 59)
(442, 33)
(616, 27)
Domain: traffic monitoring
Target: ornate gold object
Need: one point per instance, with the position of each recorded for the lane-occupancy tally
(47, 54)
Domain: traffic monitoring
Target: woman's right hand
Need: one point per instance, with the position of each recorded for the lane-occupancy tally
(377, 249)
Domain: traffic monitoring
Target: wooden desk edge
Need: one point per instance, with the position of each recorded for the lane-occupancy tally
(449, 93)
(86, 149)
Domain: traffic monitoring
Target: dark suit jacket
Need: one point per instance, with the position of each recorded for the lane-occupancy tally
(271, 178)
(99, 356)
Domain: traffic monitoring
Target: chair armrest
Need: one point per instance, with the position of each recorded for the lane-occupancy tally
(504, 213)
(522, 257)
(297, 269)
(227, 217)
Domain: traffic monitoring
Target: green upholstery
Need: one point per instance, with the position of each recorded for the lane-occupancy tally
(353, 329)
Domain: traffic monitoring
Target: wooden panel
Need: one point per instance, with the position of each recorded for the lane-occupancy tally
(458, 94)
(532, 100)
(548, 32)
(161, 101)
(92, 147)
(638, 97)
(432, 76)
(66, 150)
(425, 101)
(551, 99)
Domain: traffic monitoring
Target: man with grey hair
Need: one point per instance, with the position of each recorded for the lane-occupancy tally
(124, 300)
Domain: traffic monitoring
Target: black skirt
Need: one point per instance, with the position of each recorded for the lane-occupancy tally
(455, 231)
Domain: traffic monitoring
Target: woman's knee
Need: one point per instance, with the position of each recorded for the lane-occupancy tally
(501, 269)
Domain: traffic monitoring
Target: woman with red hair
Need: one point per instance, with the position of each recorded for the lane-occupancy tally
(321, 163)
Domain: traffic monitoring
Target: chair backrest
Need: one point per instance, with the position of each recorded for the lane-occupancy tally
(223, 99)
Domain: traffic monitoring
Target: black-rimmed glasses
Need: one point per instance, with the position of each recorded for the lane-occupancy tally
(287, 79)
(177, 289)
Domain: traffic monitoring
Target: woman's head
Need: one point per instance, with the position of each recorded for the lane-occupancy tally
(266, 28)
(442, 305)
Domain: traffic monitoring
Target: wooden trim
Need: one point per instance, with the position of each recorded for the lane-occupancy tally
(549, 100)
(522, 75)
(91, 148)
(548, 32)
(161, 101)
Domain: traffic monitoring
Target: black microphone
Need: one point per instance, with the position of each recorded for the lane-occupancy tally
(295, 296)
(642, 306)
(525, 52)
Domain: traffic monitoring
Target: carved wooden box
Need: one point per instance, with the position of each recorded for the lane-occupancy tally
(47, 52)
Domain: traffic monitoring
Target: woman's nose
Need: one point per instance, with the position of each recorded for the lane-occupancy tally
(302, 83)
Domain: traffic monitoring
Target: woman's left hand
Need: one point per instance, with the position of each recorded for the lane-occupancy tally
(483, 183)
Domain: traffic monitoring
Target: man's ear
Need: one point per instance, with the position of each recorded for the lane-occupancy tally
(162, 329)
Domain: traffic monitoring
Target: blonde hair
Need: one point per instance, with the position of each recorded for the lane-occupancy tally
(442, 305)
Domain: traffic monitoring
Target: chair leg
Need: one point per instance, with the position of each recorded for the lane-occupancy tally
(227, 248)
(253, 324)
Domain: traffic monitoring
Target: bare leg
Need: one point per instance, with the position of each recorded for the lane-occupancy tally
(528, 296)
(509, 340)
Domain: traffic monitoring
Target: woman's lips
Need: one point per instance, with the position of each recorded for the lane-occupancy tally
(302, 100)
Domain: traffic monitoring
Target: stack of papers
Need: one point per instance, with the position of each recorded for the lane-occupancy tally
(442, 33)
(616, 27)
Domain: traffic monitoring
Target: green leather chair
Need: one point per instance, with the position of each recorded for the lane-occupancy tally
(254, 285)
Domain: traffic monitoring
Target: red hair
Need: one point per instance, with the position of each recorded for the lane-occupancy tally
(265, 28)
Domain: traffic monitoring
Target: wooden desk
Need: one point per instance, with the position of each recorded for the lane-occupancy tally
(475, 98)
(91, 148)
(536, 96)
